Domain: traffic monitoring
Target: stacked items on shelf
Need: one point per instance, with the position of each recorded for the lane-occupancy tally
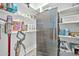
(20, 26)
(66, 33)
(64, 46)
(69, 33)
(69, 20)
(27, 15)
(10, 7)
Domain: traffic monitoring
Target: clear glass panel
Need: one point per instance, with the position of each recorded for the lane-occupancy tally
(47, 33)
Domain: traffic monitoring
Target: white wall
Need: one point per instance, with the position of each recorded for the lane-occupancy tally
(3, 43)
(30, 41)
(70, 15)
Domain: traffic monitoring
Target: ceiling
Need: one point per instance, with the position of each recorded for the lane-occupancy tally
(37, 5)
(34, 7)
(25, 10)
(60, 6)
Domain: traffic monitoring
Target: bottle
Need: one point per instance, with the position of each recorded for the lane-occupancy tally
(62, 32)
(1, 6)
(5, 6)
(14, 7)
(66, 32)
(9, 7)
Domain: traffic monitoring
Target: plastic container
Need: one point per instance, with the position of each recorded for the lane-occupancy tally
(12, 7)
(5, 6)
(1, 6)
(76, 50)
(61, 32)
(66, 31)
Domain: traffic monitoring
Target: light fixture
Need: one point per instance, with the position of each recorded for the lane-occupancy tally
(28, 5)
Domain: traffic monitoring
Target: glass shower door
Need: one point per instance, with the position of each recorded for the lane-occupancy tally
(47, 33)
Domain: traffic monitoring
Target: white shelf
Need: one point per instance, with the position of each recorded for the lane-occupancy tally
(31, 31)
(70, 8)
(72, 19)
(69, 39)
(25, 31)
(63, 50)
(6, 12)
(73, 22)
(13, 14)
(62, 53)
(62, 36)
(69, 11)
(70, 16)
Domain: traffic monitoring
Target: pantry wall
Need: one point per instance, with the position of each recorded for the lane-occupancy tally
(30, 35)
